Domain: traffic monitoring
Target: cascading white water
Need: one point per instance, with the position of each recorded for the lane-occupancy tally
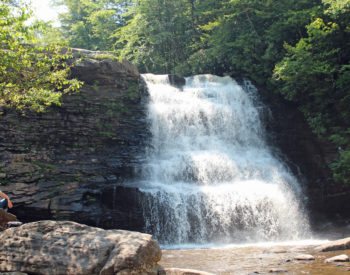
(210, 177)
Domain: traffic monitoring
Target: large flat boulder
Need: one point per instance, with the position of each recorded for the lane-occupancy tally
(62, 247)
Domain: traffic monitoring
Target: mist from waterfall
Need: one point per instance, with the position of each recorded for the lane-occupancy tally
(210, 176)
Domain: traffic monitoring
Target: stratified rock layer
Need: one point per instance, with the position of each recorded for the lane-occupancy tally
(72, 162)
(50, 247)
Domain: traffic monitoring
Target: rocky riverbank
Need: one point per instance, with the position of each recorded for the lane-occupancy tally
(269, 258)
(63, 247)
(51, 247)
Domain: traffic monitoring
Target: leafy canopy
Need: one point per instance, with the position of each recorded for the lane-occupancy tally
(315, 73)
(31, 77)
(90, 24)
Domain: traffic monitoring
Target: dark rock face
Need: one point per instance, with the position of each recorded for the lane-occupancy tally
(176, 81)
(73, 161)
(307, 156)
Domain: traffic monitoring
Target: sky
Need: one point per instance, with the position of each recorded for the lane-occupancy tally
(44, 11)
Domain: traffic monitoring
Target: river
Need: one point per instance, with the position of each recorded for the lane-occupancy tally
(261, 259)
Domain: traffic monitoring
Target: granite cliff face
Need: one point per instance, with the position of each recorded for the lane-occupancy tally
(71, 162)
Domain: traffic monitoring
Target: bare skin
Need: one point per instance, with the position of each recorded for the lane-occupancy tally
(8, 199)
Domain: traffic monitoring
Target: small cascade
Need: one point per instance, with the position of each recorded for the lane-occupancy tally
(210, 177)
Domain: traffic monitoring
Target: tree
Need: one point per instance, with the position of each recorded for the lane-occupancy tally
(158, 34)
(89, 24)
(31, 77)
(245, 38)
(315, 73)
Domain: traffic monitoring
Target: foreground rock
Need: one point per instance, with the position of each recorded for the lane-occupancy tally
(176, 81)
(275, 270)
(342, 244)
(50, 247)
(180, 271)
(304, 257)
(339, 258)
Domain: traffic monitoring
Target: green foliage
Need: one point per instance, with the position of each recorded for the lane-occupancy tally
(31, 77)
(44, 166)
(91, 198)
(107, 134)
(341, 167)
(95, 85)
(315, 73)
(207, 36)
(158, 34)
(50, 35)
(5, 182)
(89, 24)
(336, 7)
(105, 56)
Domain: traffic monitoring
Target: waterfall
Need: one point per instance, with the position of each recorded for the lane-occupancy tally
(209, 176)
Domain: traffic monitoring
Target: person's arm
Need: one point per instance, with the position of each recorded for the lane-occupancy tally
(8, 199)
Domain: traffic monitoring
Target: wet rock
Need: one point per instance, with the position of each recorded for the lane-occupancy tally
(20, 168)
(341, 244)
(13, 273)
(304, 257)
(14, 224)
(105, 205)
(277, 271)
(51, 247)
(179, 271)
(276, 251)
(176, 81)
(339, 258)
